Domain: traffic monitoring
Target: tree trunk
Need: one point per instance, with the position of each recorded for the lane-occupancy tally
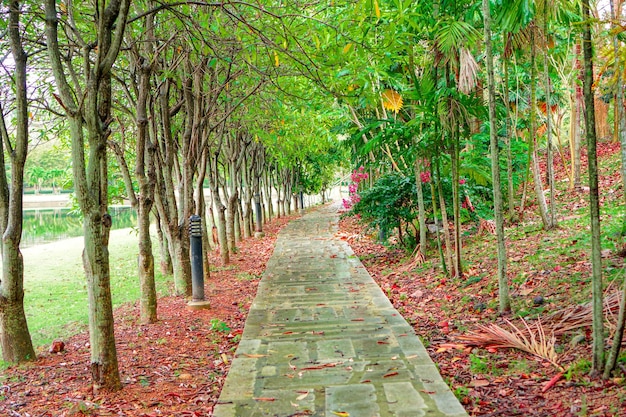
(167, 268)
(146, 177)
(173, 217)
(550, 153)
(421, 208)
(446, 224)
(247, 201)
(231, 214)
(182, 265)
(594, 200)
(620, 132)
(90, 174)
(201, 211)
(148, 299)
(219, 208)
(437, 230)
(268, 197)
(503, 285)
(620, 115)
(456, 204)
(509, 154)
(575, 122)
(14, 335)
(541, 199)
(574, 142)
(221, 231)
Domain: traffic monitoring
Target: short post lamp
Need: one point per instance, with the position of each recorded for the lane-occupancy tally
(197, 270)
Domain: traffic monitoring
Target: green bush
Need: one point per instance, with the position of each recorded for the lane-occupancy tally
(389, 204)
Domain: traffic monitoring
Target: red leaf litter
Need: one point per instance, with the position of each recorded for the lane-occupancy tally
(175, 367)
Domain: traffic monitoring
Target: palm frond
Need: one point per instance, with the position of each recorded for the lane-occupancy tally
(468, 71)
(454, 34)
(533, 340)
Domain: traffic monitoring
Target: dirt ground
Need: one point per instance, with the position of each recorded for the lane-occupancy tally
(175, 367)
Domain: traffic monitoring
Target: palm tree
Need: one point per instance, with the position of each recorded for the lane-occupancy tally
(594, 200)
(503, 285)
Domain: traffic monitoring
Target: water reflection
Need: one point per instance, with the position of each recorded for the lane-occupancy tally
(49, 225)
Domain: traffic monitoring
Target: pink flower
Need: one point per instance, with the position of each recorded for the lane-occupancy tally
(461, 181)
(425, 176)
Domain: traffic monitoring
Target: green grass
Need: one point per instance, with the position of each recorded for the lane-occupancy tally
(246, 276)
(55, 298)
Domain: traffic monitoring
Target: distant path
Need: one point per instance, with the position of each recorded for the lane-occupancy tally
(322, 339)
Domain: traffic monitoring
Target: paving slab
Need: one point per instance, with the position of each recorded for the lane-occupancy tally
(322, 339)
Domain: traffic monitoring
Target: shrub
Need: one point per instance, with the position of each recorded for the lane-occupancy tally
(389, 204)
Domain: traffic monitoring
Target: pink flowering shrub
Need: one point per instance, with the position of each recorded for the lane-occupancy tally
(357, 176)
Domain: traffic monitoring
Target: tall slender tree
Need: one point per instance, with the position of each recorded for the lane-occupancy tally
(503, 285)
(87, 101)
(594, 200)
(14, 336)
(621, 134)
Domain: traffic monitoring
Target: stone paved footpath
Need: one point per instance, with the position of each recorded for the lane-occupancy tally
(321, 339)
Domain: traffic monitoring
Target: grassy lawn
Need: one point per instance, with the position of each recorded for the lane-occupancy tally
(55, 289)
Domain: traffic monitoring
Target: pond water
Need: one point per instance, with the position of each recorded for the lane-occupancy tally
(49, 225)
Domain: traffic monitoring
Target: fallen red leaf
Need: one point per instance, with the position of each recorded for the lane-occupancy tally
(552, 382)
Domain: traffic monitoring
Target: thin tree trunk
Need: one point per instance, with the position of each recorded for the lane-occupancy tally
(503, 285)
(200, 204)
(550, 150)
(456, 204)
(437, 231)
(421, 208)
(620, 133)
(268, 198)
(167, 268)
(575, 139)
(541, 199)
(231, 214)
(507, 139)
(219, 209)
(446, 224)
(144, 171)
(619, 114)
(594, 200)
(14, 335)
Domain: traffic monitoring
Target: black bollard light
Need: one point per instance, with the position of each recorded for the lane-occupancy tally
(197, 270)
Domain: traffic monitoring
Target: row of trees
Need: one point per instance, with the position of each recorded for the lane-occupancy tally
(181, 96)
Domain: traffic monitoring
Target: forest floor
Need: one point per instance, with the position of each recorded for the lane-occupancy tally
(549, 272)
(176, 367)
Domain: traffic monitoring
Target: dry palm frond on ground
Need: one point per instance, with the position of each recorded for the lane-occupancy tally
(418, 259)
(580, 315)
(531, 338)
